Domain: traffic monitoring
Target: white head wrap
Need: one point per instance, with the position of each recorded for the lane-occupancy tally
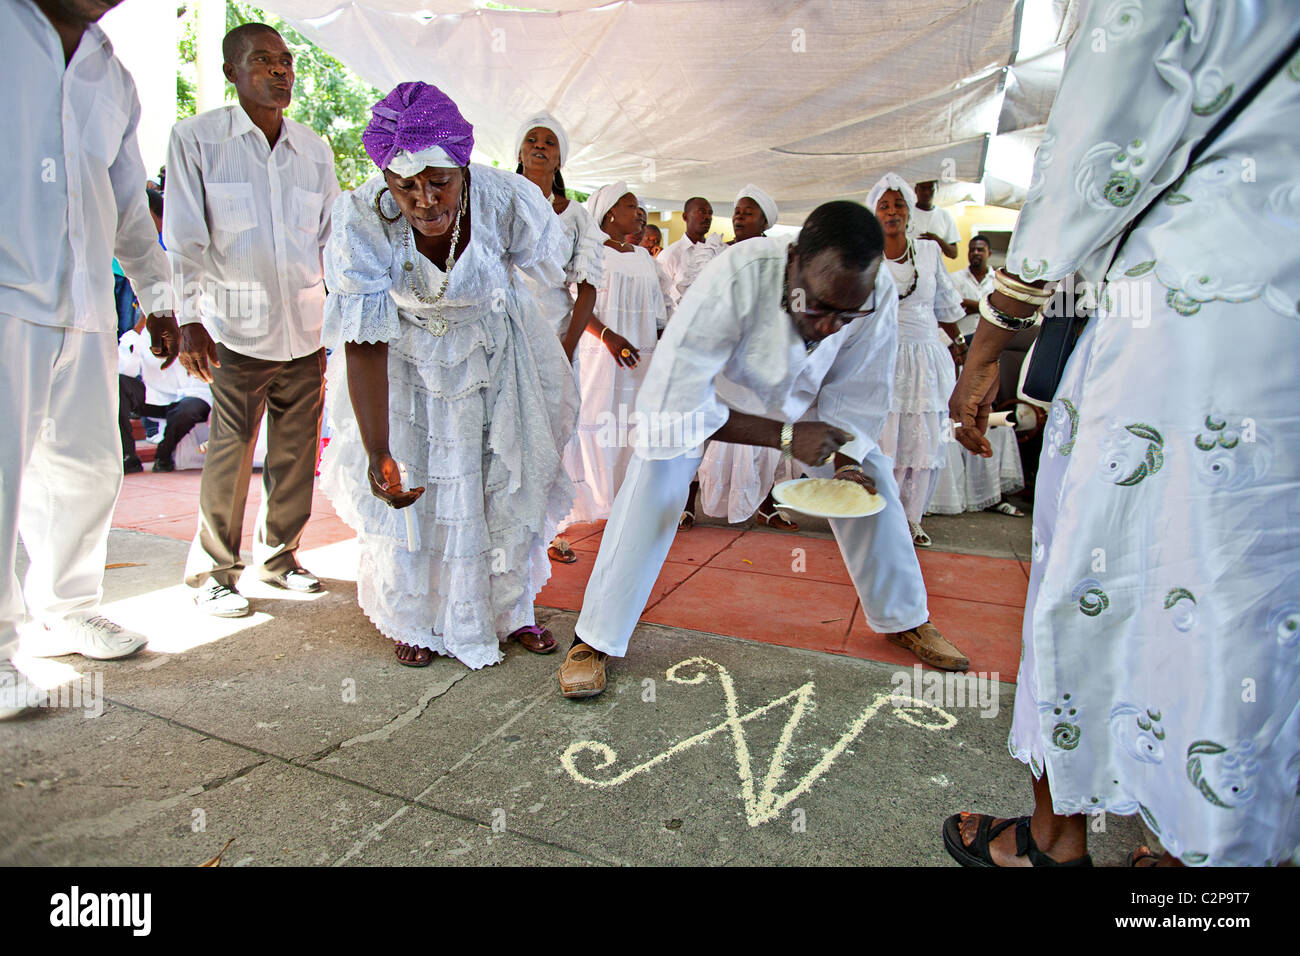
(603, 200)
(765, 202)
(406, 164)
(546, 121)
(886, 183)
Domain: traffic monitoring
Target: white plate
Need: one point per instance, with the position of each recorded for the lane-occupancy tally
(876, 505)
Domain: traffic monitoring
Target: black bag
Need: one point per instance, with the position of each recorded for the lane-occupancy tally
(1060, 332)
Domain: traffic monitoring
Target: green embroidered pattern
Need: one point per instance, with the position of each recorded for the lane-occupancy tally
(1215, 440)
(1181, 302)
(1141, 269)
(1093, 601)
(1195, 859)
(1065, 735)
(1067, 446)
(1216, 104)
(1150, 818)
(1293, 68)
(1150, 725)
(1155, 457)
(1175, 595)
(1209, 748)
(1031, 271)
(1120, 188)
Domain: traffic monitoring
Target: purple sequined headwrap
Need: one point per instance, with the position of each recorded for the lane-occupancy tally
(414, 117)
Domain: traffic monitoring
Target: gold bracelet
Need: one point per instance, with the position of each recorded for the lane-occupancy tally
(602, 334)
(1014, 289)
(787, 441)
(991, 313)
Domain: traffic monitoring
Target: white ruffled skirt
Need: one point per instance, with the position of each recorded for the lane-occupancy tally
(914, 434)
(479, 417)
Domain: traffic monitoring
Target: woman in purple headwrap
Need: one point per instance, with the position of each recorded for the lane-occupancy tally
(450, 396)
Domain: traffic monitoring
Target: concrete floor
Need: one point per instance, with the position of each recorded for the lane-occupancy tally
(295, 733)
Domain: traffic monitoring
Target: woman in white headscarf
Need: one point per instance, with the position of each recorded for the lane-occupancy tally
(923, 375)
(542, 146)
(615, 353)
(442, 364)
(735, 481)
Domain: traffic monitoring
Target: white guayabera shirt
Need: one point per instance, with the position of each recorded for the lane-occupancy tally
(245, 225)
(682, 261)
(937, 221)
(736, 347)
(73, 195)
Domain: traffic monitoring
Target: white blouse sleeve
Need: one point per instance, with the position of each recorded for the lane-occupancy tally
(706, 329)
(358, 260)
(947, 300)
(588, 255)
(1135, 94)
(534, 236)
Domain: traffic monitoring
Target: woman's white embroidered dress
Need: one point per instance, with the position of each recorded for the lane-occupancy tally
(583, 245)
(924, 377)
(630, 302)
(1161, 668)
(477, 415)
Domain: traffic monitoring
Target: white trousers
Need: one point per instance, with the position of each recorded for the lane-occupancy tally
(877, 551)
(60, 469)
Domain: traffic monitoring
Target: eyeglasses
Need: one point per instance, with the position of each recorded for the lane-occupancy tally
(842, 316)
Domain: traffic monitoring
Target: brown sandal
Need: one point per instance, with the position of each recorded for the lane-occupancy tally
(932, 647)
(535, 638)
(561, 552)
(583, 672)
(415, 656)
(776, 521)
(1139, 857)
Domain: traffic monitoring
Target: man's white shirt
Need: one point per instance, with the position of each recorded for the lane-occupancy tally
(968, 287)
(162, 385)
(245, 225)
(682, 263)
(73, 194)
(936, 220)
(733, 346)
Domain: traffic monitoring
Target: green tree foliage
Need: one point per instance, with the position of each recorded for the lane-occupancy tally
(327, 96)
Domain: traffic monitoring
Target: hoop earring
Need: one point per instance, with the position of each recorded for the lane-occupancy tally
(379, 209)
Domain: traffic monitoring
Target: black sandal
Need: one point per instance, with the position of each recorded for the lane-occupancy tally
(977, 854)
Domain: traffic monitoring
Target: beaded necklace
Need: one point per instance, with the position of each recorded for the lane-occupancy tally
(908, 257)
(437, 325)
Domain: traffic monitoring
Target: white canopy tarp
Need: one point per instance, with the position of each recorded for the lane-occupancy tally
(811, 101)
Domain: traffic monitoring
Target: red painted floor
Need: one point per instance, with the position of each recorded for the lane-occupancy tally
(786, 589)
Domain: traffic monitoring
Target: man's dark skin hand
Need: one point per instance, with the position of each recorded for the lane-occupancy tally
(164, 337)
(825, 297)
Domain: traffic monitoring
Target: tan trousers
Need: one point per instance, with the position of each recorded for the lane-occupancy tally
(292, 394)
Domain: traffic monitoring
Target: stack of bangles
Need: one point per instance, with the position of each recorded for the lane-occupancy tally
(1013, 288)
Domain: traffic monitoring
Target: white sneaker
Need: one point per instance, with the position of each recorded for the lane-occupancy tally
(86, 633)
(218, 600)
(13, 691)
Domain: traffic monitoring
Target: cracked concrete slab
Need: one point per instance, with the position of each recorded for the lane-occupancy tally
(298, 734)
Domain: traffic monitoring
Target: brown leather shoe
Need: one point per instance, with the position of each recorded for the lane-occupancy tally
(931, 647)
(583, 672)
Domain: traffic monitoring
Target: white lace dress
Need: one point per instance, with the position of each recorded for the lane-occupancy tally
(477, 415)
(1161, 667)
(972, 483)
(924, 377)
(583, 242)
(628, 300)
